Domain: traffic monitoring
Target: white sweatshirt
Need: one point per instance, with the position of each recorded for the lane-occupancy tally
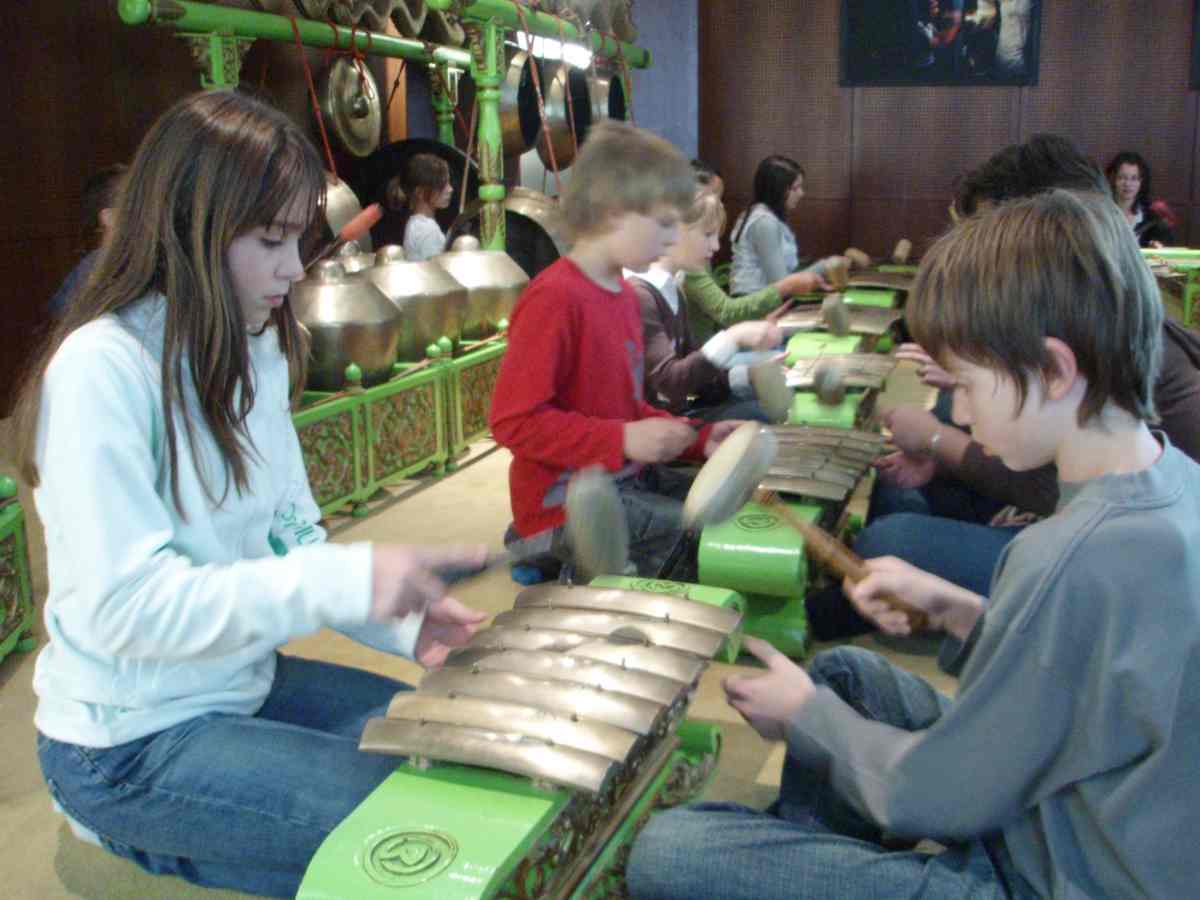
(423, 238)
(154, 619)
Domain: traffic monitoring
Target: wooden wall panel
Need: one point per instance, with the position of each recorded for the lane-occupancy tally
(880, 222)
(87, 88)
(768, 84)
(1112, 76)
(914, 142)
(1117, 79)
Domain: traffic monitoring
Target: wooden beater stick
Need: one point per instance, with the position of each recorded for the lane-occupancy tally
(831, 553)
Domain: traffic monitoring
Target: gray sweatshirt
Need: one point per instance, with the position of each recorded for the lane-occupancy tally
(1076, 731)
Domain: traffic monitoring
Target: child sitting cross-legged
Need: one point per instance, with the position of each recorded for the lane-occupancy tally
(1066, 766)
(570, 390)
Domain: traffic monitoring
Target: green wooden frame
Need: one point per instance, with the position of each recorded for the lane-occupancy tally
(16, 585)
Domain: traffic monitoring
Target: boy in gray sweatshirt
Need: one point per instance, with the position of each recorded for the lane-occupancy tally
(1065, 768)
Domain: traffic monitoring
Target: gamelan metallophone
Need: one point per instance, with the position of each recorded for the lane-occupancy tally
(756, 553)
(825, 453)
(534, 755)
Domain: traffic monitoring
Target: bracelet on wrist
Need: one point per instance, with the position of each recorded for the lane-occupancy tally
(934, 439)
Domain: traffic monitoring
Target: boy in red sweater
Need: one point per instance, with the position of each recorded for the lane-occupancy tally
(569, 394)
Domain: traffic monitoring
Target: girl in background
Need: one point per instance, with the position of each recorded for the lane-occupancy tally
(97, 207)
(1151, 220)
(427, 186)
(764, 247)
(182, 537)
(709, 308)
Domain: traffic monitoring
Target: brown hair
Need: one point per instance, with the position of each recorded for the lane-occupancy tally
(1060, 264)
(99, 193)
(214, 166)
(425, 172)
(620, 169)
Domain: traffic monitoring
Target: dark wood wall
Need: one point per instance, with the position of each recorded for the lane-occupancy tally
(881, 162)
(83, 89)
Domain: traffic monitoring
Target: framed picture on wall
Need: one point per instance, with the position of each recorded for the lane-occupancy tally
(946, 42)
(1196, 45)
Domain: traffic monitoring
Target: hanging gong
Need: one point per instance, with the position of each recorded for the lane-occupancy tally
(350, 105)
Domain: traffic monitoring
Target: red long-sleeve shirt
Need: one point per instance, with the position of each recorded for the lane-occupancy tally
(570, 380)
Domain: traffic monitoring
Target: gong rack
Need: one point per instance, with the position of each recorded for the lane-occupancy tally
(220, 35)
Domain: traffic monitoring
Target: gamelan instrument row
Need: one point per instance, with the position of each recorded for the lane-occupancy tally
(532, 757)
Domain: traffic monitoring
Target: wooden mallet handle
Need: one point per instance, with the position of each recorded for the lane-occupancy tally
(351, 231)
(831, 553)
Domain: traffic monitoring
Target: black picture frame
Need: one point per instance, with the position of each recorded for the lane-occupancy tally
(1195, 82)
(923, 42)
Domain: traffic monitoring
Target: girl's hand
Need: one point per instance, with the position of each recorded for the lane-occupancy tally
(802, 283)
(448, 624)
(404, 578)
(906, 470)
(912, 427)
(758, 335)
(719, 432)
(780, 311)
(769, 701)
(929, 371)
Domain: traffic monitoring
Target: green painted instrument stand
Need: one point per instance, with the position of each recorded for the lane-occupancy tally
(359, 440)
(808, 410)
(452, 832)
(16, 587)
(1186, 261)
(1172, 253)
(815, 344)
(470, 381)
(879, 297)
(759, 555)
(1189, 267)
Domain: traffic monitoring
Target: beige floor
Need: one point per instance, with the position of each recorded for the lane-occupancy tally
(41, 859)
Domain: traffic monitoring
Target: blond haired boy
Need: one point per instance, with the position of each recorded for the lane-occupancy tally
(1066, 766)
(706, 380)
(569, 394)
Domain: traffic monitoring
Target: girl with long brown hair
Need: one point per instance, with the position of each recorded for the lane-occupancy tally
(183, 541)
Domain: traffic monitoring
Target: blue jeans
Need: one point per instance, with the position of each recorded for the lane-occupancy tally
(228, 801)
(811, 843)
(653, 504)
(961, 552)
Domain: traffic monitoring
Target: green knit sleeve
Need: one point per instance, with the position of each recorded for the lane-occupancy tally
(710, 309)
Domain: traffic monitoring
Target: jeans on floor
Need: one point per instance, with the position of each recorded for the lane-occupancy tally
(238, 802)
(810, 843)
(961, 552)
(653, 502)
(654, 510)
(944, 497)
